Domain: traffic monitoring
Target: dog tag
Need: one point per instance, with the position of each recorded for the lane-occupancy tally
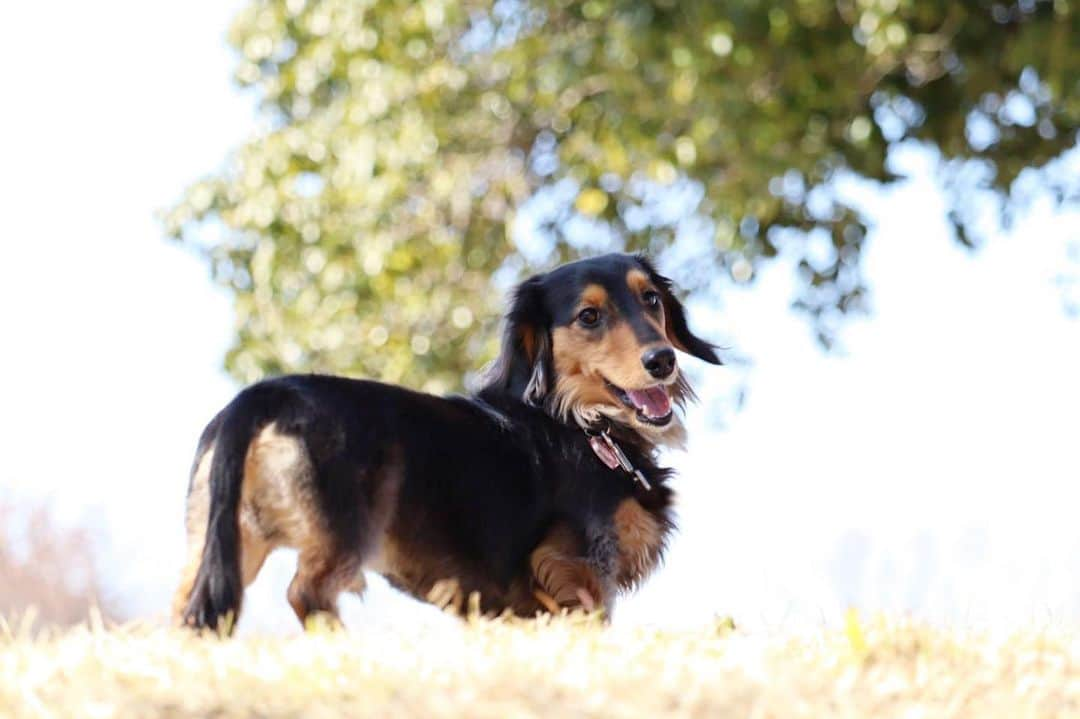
(604, 451)
(612, 455)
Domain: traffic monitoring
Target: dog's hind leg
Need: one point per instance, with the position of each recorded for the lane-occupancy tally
(253, 553)
(357, 506)
(322, 574)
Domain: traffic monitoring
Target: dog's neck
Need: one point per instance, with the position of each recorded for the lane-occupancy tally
(624, 449)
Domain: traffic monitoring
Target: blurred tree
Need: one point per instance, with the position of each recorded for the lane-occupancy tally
(412, 150)
(48, 572)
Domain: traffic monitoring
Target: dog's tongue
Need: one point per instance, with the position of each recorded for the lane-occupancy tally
(653, 402)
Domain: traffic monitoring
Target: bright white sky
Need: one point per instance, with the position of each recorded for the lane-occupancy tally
(933, 468)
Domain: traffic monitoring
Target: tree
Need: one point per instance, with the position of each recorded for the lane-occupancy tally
(414, 151)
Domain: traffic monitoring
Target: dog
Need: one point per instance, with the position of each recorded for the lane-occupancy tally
(539, 492)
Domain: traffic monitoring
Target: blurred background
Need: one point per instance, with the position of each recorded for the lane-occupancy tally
(872, 205)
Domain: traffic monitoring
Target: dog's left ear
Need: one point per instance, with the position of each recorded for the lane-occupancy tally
(524, 367)
(675, 326)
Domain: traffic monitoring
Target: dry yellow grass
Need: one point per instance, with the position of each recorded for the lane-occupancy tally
(567, 667)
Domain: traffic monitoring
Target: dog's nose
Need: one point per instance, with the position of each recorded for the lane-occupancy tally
(659, 362)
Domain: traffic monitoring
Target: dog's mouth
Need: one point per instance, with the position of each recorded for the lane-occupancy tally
(652, 404)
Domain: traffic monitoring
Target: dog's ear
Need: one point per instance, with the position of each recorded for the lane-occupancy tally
(675, 326)
(524, 366)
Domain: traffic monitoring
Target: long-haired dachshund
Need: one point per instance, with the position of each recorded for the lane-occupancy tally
(541, 491)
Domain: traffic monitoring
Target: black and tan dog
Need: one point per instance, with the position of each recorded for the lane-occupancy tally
(539, 492)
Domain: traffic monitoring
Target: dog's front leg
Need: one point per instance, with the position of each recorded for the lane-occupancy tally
(564, 578)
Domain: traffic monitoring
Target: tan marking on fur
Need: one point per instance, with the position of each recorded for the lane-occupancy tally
(594, 296)
(253, 553)
(278, 507)
(641, 543)
(273, 507)
(322, 573)
(615, 355)
(446, 594)
(528, 341)
(315, 586)
(579, 395)
(279, 469)
(195, 519)
(562, 574)
(582, 363)
(546, 600)
(277, 500)
(638, 281)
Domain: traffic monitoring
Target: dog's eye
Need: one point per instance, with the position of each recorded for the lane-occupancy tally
(589, 317)
(652, 299)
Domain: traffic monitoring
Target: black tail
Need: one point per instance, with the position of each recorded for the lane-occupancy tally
(218, 588)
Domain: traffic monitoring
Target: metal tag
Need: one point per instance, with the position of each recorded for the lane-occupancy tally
(604, 452)
(612, 455)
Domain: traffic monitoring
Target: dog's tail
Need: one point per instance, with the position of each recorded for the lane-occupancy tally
(216, 593)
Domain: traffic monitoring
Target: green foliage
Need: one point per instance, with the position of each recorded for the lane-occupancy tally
(413, 150)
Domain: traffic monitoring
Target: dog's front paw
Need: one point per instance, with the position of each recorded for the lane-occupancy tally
(579, 591)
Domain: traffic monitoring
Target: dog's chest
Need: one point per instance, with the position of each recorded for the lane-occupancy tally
(625, 528)
(628, 545)
(640, 537)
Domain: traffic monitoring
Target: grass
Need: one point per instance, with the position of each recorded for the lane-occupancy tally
(570, 666)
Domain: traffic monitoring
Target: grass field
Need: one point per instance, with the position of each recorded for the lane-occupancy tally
(571, 666)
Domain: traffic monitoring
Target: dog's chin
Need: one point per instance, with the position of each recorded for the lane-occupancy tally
(669, 432)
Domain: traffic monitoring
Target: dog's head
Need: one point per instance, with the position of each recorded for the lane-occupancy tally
(597, 338)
